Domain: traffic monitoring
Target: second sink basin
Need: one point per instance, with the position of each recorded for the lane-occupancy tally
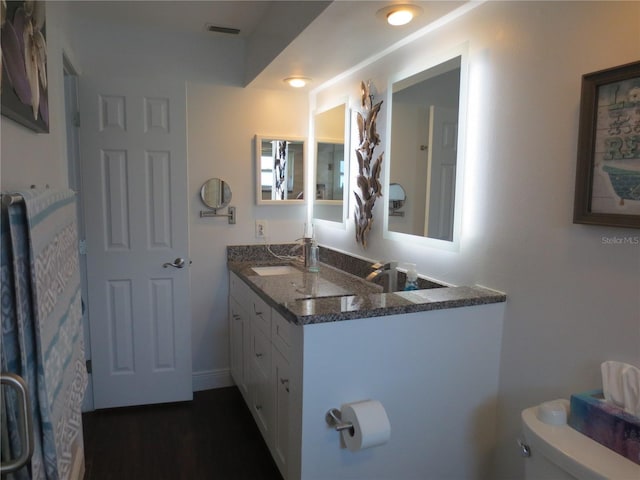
(275, 270)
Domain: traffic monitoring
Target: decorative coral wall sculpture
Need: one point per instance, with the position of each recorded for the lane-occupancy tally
(368, 169)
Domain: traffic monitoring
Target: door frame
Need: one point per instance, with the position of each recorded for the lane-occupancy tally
(74, 165)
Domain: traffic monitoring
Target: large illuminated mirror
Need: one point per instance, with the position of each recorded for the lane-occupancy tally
(331, 165)
(424, 155)
(279, 170)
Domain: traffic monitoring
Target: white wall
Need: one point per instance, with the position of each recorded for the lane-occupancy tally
(573, 300)
(222, 124)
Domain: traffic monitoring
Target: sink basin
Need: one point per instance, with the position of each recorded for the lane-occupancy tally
(320, 289)
(275, 270)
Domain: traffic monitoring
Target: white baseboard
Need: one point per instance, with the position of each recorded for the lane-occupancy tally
(209, 379)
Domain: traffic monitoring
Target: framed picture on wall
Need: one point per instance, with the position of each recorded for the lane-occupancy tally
(25, 96)
(608, 167)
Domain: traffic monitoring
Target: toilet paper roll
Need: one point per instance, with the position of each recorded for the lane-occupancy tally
(371, 425)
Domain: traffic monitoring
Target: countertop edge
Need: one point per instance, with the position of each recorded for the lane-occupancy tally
(375, 305)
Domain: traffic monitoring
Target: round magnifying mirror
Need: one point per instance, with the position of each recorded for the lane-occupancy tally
(397, 196)
(215, 193)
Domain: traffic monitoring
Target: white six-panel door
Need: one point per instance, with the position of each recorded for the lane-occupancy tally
(441, 167)
(134, 174)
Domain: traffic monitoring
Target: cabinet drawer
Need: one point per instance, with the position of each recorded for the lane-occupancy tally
(261, 313)
(261, 351)
(280, 333)
(261, 403)
(237, 288)
(235, 310)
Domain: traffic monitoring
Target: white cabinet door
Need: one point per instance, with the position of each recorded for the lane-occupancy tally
(280, 386)
(238, 321)
(260, 387)
(134, 179)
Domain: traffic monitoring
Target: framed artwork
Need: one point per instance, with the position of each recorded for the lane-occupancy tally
(608, 168)
(24, 65)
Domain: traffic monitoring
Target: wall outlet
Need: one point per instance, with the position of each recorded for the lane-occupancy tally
(261, 229)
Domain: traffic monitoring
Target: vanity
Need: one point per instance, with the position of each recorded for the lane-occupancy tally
(303, 343)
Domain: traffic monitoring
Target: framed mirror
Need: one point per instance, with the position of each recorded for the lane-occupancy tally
(279, 170)
(331, 165)
(425, 151)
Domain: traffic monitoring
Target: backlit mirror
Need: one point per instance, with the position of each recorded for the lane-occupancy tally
(331, 171)
(424, 152)
(279, 170)
(215, 193)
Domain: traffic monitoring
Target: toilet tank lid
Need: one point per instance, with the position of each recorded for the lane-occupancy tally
(574, 452)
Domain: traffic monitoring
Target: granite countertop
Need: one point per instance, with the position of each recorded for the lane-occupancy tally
(333, 295)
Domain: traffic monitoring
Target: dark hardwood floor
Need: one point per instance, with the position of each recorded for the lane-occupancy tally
(212, 437)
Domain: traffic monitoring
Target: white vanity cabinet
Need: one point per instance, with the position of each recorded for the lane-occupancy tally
(259, 357)
(435, 372)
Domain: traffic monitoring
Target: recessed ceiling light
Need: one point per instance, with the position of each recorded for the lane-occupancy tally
(399, 17)
(399, 14)
(297, 81)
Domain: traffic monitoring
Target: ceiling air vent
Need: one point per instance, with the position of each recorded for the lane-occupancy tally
(218, 29)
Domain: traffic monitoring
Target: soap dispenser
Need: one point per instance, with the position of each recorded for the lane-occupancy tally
(412, 277)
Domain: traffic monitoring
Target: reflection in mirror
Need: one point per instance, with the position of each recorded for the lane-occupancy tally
(279, 170)
(424, 149)
(330, 171)
(329, 132)
(397, 197)
(215, 193)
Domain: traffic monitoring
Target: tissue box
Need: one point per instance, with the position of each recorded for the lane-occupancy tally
(605, 423)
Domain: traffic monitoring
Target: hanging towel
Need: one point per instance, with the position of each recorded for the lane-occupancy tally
(18, 351)
(49, 322)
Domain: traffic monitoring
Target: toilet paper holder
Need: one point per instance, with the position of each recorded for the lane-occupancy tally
(334, 419)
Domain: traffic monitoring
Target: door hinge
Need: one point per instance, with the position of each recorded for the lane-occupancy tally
(82, 247)
(89, 366)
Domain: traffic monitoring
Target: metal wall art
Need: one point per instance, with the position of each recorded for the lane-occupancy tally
(368, 183)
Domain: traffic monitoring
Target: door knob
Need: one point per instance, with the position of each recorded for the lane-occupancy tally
(177, 263)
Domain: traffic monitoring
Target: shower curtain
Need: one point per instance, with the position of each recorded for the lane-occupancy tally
(42, 332)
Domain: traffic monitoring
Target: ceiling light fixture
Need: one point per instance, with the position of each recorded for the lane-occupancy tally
(297, 81)
(399, 14)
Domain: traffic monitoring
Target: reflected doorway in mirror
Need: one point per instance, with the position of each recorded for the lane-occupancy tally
(331, 164)
(424, 149)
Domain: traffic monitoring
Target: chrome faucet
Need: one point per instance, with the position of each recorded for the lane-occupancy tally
(388, 269)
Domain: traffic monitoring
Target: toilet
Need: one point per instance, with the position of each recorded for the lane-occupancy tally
(555, 451)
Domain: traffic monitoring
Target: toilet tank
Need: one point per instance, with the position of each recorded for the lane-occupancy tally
(558, 452)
